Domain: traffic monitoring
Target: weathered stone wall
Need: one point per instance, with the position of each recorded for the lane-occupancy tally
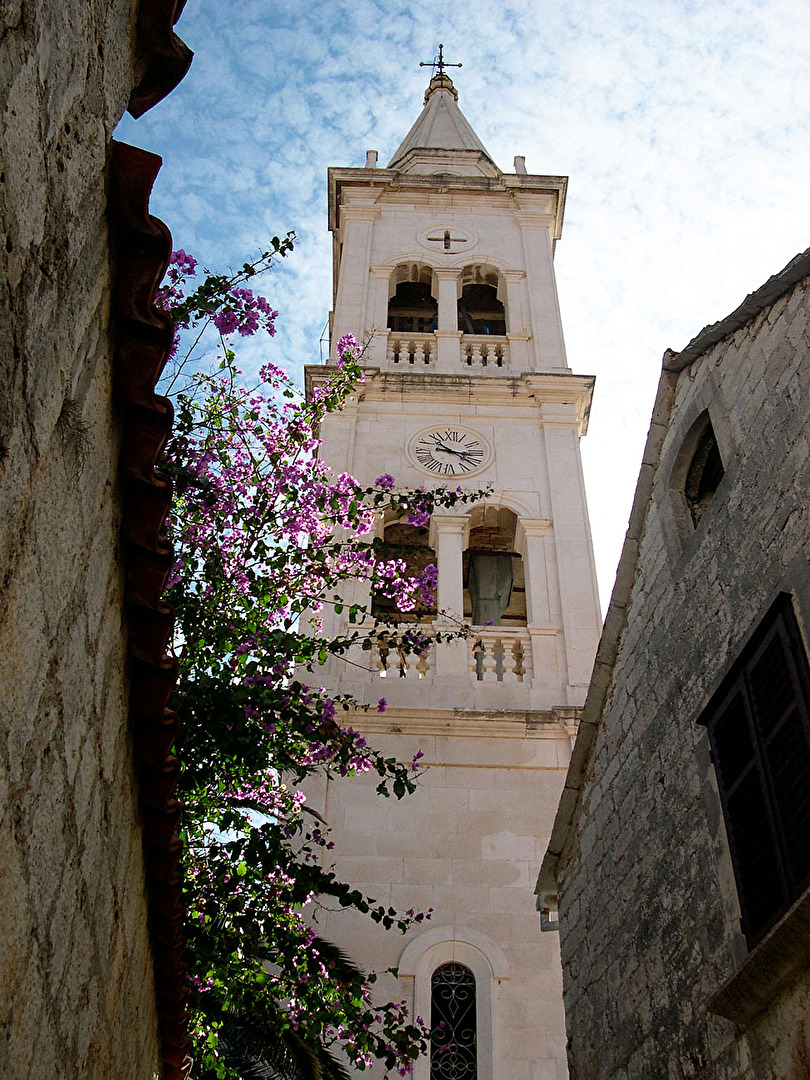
(648, 907)
(76, 985)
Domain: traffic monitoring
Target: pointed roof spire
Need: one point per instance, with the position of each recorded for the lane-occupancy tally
(442, 126)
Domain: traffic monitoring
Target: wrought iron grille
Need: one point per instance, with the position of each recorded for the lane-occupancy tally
(453, 1051)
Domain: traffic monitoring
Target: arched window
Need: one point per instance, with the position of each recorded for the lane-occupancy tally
(696, 473)
(426, 955)
(454, 1045)
(412, 308)
(494, 585)
(409, 543)
(703, 475)
(480, 307)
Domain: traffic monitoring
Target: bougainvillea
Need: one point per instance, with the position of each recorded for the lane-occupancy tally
(264, 534)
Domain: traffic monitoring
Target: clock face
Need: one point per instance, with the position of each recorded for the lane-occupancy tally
(450, 451)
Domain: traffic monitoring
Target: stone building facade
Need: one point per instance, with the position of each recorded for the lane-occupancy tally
(678, 856)
(77, 988)
(445, 263)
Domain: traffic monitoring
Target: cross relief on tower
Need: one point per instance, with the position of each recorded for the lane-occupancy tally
(444, 264)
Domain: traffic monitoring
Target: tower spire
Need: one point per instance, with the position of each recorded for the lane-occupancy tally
(442, 135)
(439, 81)
(438, 62)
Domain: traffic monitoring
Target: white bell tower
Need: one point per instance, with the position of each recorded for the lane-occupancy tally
(445, 264)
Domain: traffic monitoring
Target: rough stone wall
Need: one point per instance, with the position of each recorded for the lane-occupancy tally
(76, 984)
(648, 908)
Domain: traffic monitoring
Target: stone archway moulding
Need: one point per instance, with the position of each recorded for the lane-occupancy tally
(488, 963)
(452, 262)
(451, 936)
(519, 507)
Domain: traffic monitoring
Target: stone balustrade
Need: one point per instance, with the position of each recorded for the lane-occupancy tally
(418, 351)
(484, 350)
(414, 350)
(500, 654)
(393, 663)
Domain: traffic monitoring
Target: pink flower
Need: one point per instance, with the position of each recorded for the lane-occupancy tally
(347, 349)
(187, 264)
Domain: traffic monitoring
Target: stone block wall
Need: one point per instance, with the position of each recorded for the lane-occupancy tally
(465, 845)
(76, 984)
(648, 904)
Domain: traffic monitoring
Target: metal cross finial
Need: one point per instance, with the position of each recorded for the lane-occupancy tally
(440, 63)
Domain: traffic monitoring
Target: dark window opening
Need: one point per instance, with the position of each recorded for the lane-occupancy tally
(453, 1049)
(409, 543)
(494, 582)
(412, 309)
(480, 311)
(704, 475)
(759, 732)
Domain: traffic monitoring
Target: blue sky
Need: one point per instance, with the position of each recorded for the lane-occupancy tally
(684, 128)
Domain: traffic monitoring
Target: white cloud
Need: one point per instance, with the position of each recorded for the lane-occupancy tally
(684, 127)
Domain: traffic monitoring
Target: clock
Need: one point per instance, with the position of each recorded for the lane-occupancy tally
(450, 450)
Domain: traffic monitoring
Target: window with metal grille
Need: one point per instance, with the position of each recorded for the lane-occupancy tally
(759, 732)
(453, 1051)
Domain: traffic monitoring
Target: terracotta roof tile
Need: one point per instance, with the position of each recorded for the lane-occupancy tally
(142, 249)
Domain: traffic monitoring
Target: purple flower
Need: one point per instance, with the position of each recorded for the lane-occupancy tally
(419, 518)
(386, 482)
(186, 263)
(382, 705)
(347, 349)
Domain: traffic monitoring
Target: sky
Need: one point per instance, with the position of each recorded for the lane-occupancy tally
(684, 127)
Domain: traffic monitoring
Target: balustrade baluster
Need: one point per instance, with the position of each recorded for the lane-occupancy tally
(498, 653)
(520, 657)
(490, 662)
(509, 662)
(477, 659)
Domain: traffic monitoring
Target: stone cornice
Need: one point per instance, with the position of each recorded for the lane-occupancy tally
(362, 212)
(389, 180)
(515, 724)
(564, 396)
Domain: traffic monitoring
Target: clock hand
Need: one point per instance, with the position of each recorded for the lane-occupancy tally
(450, 450)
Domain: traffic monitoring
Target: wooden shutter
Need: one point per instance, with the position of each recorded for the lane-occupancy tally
(759, 730)
(781, 721)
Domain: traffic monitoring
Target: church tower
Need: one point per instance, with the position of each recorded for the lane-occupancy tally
(445, 265)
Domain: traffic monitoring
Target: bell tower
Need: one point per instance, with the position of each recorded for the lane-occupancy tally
(444, 264)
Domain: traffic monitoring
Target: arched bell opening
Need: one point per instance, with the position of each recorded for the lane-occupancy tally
(410, 544)
(481, 308)
(494, 580)
(412, 307)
